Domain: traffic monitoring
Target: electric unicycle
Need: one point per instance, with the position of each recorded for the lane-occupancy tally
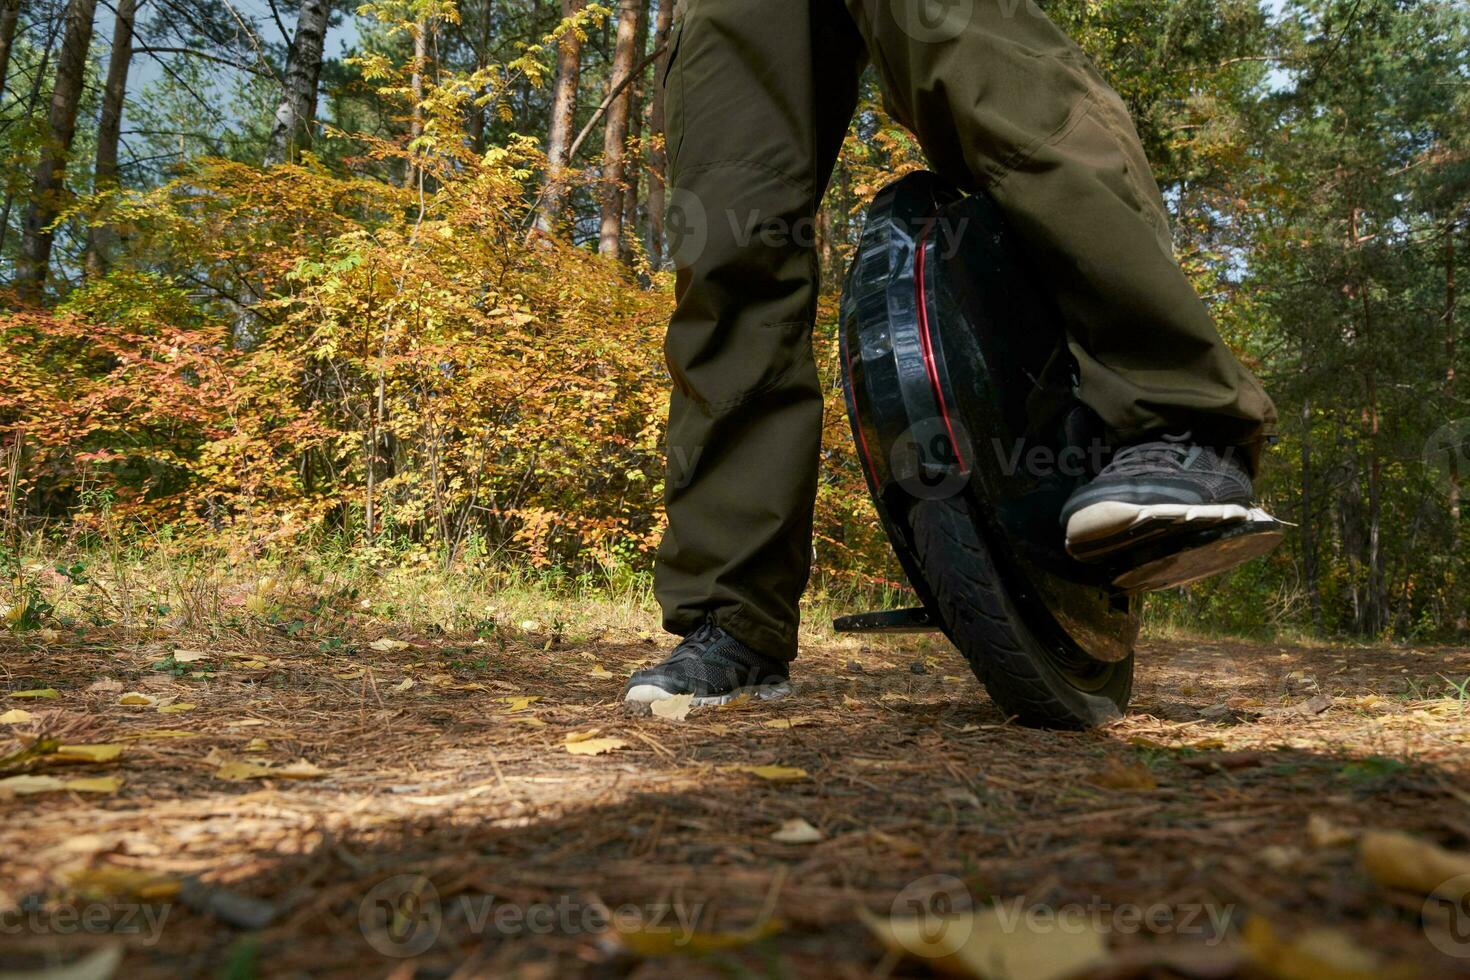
(961, 395)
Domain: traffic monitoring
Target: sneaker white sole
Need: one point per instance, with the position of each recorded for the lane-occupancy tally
(1089, 530)
(649, 693)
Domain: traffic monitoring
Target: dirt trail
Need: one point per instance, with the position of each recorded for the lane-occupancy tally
(445, 772)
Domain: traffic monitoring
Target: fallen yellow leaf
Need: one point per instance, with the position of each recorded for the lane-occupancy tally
(112, 882)
(387, 645)
(175, 709)
(39, 694)
(1120, 775)
(15, 716)
(777, 774)
(95, 784)
(600, 671)
(29, 785)
(88, 753)
(137, 697)
(789, 722)
(797, 831)
(1396, 860)
(238, 770)
(530, 720)
(1317, 953)
(520, 703)
(594, 746)
(158, 733)
(256, 745)
(674, 708)
(1323, 833)
(981, 944)
(189, 656)
(663, 941)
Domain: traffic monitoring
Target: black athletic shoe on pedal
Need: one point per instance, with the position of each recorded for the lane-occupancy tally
(1154, 491)
(715, 668)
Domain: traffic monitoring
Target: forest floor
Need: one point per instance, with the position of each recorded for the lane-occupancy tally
(477, 804)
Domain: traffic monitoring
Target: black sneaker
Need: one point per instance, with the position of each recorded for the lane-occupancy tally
(714, 667)
(1155, 489)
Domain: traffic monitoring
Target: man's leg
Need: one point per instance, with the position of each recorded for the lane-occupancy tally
(760, 94)
(1002, 99)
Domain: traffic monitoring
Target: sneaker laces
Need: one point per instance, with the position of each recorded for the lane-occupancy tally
(1175, 452)
(694, 645)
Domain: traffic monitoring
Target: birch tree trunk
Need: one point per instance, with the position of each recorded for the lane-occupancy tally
(292, 129)
(615, 132)
(563, 118)
(658, 154)
(102, 239)
(34, 262)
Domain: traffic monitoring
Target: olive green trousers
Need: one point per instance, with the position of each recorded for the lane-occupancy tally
(760, 94)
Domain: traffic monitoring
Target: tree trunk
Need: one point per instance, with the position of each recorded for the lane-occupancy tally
(658, 154)
(1457, 479)
(563, 119)
(102, 239)
(615, 132)
(475, 114)
(34, 261)
(292, 129)
(9, 18)
(633, 169)
(413, 175)
(1308, 522)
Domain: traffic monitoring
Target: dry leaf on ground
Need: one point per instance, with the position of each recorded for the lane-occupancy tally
(37, 694)
(773, 773)
(674, 708)
(989, 945)
(797, 831)
(15, 716)
(594, 746)
(1396, 860)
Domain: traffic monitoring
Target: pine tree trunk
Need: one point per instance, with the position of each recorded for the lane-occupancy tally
(102, 239)
(634, 168)
(34, 262)
(9, 18)
(292, 129)
(615, 131)
(658, 154)
(559, 132)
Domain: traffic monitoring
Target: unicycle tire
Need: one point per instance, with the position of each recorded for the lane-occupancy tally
(1029, 680)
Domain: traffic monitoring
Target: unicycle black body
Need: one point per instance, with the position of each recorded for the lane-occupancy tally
(960, 392)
